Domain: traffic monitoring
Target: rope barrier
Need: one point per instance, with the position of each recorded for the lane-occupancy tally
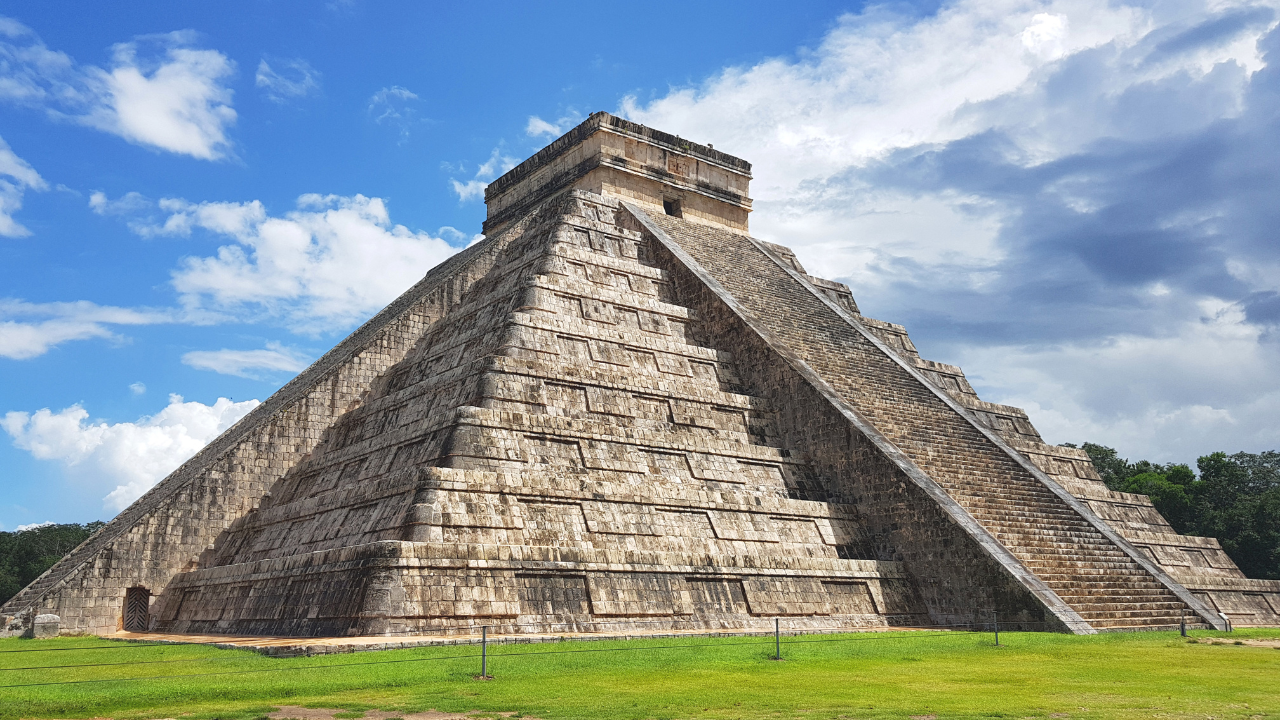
(124, 644)
(129, 644)
(867, 637)
(235, 672)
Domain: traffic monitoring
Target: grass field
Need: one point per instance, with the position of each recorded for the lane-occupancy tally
(864, 675)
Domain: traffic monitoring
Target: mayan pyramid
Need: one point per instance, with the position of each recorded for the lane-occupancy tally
(620, 407)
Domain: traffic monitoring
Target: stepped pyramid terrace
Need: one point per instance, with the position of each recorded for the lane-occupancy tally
(620, 406)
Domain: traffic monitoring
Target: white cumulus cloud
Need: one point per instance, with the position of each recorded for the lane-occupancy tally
(32, 526)
(1045, 35)
(247, 363)
(131, 457)
(330, 262)
(160, 91)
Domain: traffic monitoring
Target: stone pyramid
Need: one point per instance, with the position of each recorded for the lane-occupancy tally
(621, 408)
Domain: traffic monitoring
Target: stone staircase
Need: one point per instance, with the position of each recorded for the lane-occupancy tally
(1092, 574)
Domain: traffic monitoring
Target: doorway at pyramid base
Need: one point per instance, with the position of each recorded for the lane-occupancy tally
(460, 560)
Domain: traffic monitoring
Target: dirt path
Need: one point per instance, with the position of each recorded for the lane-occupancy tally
(291, 712)
(1267, 643)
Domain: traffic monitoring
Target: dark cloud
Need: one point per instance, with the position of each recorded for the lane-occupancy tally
(1216, 30)
(1121, 236)
(1262, 308)
(1075, 203)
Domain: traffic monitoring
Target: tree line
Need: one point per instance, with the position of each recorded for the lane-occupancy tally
(25, 555)
(1234, 498)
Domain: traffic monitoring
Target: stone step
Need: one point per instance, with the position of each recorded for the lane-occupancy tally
(1071, 592)
(1085, 562)
(1072, 587)
(1001, 485)
(1016, 515)
(1114, 606)
(1066, 562)
(1003, 489)
(1082, 569)
(1041, 523)
(1102, 581)
(1025, 515)
(1013, 504)
(1120, 627)
(1047, 559)
(1082, 584)
(1151, 623)
(1043, 556)
(1049, 532)
(1088, 534)
(1072, 538)
(1005, 493)
(1049, 549)
(1112, 594)
(1120, 595)
(1049, 541)
(1044, 529)
(1133, 611)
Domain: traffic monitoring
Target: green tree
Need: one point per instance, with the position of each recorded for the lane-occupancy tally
(25, 555)
(1240, 505)
(1174, 500)
(1236, 499)
(1113, 469)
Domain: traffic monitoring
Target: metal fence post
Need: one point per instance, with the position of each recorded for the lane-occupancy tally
(484, 652)
(777, 641)
(995, 620)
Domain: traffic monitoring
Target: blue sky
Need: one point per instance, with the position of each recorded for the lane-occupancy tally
(1073, 200)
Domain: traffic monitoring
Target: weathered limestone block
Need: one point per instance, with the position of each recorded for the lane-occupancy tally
(45, 626)
(16, 625)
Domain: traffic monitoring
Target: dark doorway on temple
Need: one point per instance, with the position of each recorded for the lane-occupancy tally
(137, 609)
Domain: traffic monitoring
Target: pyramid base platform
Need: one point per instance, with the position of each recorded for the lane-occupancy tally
(396, 588)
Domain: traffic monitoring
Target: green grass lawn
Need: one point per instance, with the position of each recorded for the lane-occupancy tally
(846, 676)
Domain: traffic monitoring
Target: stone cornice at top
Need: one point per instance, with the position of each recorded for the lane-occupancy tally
(602, 121)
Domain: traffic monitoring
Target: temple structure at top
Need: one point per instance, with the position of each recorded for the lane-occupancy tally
(613, 157)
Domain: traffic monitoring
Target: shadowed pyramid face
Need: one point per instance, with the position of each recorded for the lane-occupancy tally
(621, 408)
